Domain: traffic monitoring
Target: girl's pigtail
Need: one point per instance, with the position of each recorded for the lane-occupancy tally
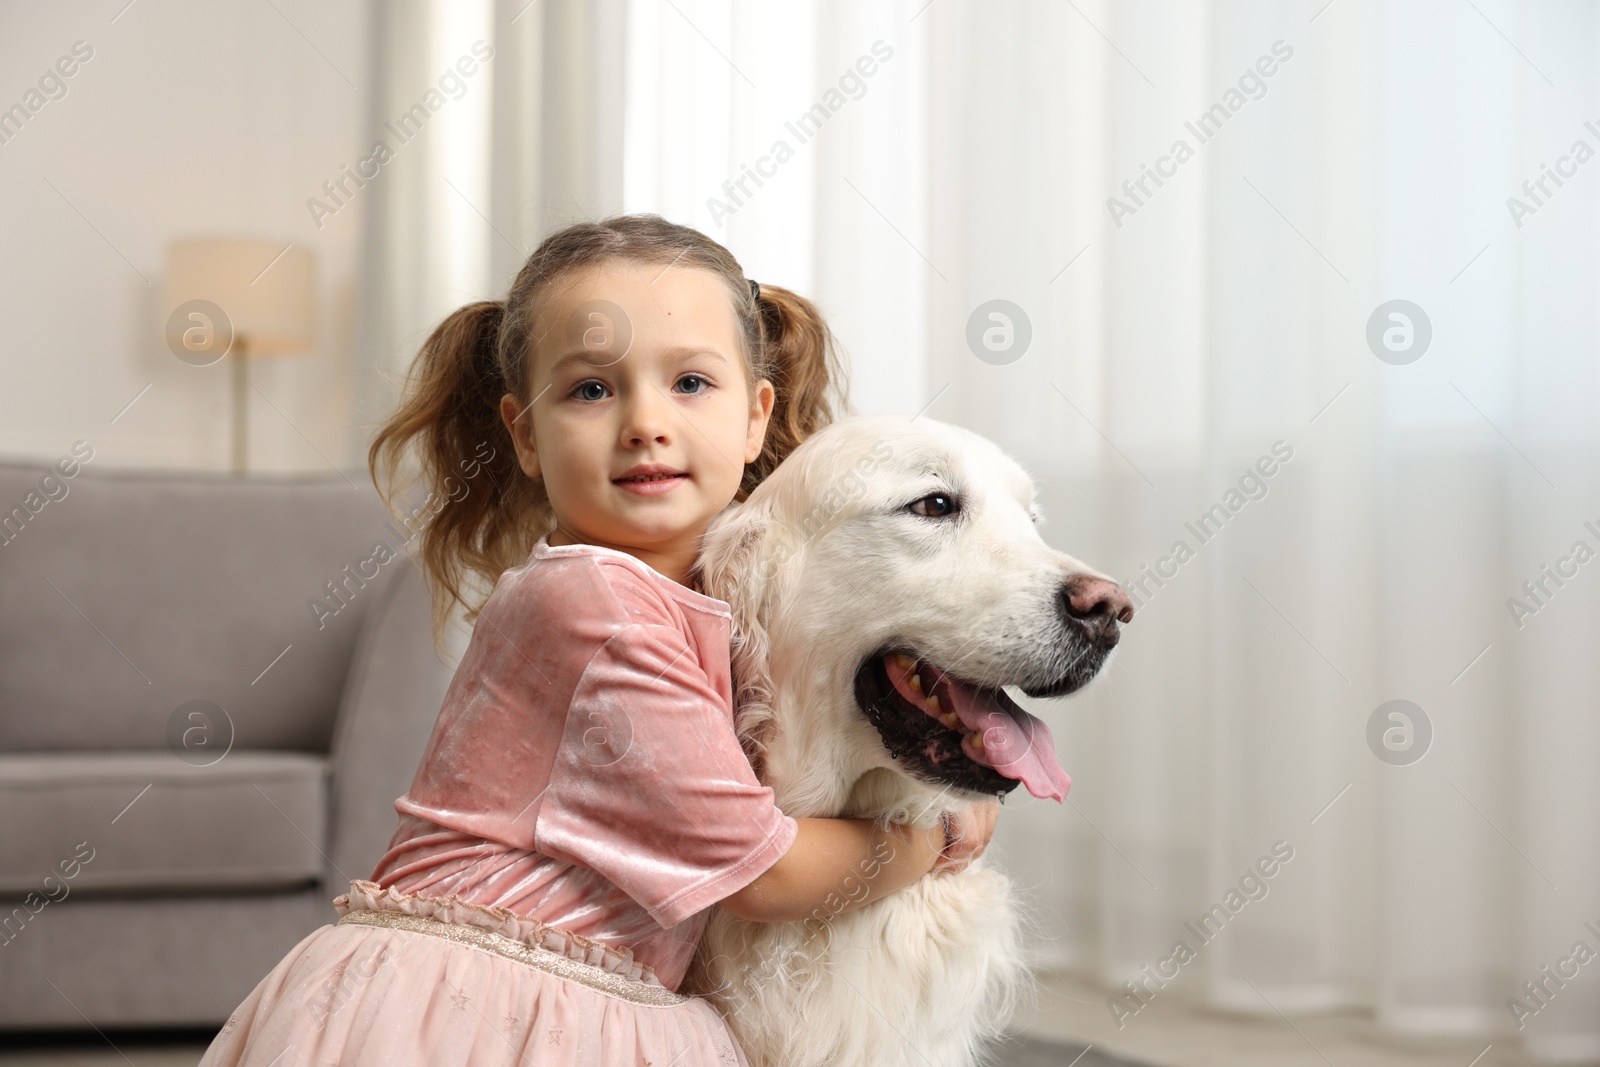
(477, 511)
(800, 355)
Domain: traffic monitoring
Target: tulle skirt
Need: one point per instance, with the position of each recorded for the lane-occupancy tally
(403, 980)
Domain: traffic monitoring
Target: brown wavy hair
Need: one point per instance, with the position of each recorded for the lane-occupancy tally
(449, 413)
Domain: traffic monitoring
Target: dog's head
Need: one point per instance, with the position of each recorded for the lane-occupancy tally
(886, 581)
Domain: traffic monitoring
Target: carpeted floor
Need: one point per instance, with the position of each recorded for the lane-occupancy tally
(1020, 1051)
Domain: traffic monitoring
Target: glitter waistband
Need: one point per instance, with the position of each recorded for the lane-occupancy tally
(604, 968)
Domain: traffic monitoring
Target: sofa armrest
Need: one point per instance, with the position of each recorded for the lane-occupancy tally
(391, 700)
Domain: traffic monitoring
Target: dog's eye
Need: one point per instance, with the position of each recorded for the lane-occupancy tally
(934, 506)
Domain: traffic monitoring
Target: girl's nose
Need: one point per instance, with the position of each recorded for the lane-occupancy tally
(649, 416)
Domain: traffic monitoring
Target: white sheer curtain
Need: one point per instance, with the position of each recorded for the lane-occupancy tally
(426, 249)
(1209, 328)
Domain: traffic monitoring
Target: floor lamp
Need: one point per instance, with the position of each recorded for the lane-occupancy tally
(242, 299)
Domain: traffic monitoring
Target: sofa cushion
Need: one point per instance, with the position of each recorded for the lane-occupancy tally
(91, 822)
(128, 594)
(391, 703)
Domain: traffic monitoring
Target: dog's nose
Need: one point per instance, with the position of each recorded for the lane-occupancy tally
(1098, 603)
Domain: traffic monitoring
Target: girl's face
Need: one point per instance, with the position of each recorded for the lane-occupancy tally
(637, 365)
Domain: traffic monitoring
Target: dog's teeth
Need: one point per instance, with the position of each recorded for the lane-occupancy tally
(916, 682)
(977, 740)
(950, 719)
(904, 662)
(933, 706)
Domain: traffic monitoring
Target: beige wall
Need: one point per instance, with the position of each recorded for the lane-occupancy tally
(189, 118)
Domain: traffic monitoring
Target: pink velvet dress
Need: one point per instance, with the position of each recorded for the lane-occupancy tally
(581, 804)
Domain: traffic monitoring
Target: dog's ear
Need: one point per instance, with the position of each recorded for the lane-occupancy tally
(742, 561)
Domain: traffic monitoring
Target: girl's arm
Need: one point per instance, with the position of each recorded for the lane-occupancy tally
(838, 865)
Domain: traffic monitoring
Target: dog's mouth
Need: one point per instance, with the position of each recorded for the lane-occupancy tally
(949, 731)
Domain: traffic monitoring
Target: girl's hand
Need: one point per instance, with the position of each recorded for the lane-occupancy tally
(971, 829)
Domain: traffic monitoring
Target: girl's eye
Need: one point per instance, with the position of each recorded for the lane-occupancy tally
(934, 506)
(594, 383)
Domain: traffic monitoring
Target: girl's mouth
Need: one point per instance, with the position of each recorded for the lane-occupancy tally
(651, 484)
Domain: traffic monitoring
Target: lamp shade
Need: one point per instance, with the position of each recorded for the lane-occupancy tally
(264, 288)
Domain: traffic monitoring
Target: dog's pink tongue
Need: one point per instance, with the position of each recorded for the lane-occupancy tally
(1015, 744)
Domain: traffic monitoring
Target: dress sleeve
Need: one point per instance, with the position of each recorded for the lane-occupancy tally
(650, 787)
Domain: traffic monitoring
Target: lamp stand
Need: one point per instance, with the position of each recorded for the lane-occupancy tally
(240, 356)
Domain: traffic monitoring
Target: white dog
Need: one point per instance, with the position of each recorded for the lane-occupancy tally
(886, 582)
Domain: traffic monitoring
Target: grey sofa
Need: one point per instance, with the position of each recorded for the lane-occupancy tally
(194, 757)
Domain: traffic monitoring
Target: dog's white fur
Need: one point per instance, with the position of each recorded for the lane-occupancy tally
(823, 564)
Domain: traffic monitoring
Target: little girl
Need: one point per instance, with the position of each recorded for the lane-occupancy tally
(584, 799)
